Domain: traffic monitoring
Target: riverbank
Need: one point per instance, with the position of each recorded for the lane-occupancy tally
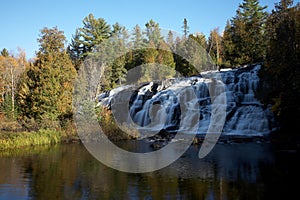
(23, 139)
(13, 140)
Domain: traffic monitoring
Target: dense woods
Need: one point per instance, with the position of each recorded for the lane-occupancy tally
(282, 64)
(37, 94)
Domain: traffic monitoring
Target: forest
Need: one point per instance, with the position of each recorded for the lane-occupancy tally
(37, 94)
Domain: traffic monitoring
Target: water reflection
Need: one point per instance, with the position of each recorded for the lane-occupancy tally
(231, 171)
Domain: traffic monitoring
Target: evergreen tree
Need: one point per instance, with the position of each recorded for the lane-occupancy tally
(153, 32)
(4, 52)
(138, 40)
(45, 93)
(230, 51)
(166, 58)
(200, 39)
(170, 40)
(120, 37)
(185, 28)
(192, 56)
(159, 62)
(75, 50)
(135, 57)
(244, 37)
(138, 46)
(282, 67)
(93, 32)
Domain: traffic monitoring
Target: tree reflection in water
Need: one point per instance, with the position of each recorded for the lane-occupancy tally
(231, 171)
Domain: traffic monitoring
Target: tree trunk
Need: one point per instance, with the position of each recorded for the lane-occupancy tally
(12, 92)
(218, 51)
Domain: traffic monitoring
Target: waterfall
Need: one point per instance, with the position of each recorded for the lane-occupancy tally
(160, 102)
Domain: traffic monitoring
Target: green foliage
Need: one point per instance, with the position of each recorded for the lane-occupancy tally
(185, 28)
(4, 52)
(11, 67)
(138, 40)
(154, 54)
(148, 48)
(153, 32)
(75, 50)
(22, 139)
(244, 36)
(7, 108)
(159, 63)
(282, 67)
(118, 70)
(192, 56)
(93, 32)
(46, 89)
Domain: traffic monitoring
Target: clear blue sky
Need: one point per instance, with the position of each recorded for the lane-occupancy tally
(22, 20)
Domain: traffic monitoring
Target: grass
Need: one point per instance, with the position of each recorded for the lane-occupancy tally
(13, 140)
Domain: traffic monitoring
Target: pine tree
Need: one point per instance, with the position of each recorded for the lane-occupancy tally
(244, 36)
(93, 32)
(170, 40)
(120, 37)
(135, 57)
(185, 28)
(200, 39)
(153, 32)
(45, 93)
(192, 56)
(4, 52)
(138, 40)
(75, 50)
(138, 46)
(282, 67)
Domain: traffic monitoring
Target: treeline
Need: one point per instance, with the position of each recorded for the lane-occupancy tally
(281, 72)
(38, 94)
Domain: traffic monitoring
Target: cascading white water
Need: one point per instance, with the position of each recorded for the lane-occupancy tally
(245, 115)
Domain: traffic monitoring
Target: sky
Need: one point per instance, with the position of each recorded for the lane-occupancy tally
(22, 20)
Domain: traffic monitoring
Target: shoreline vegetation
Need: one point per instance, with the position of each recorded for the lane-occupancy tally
(13, 140)
(20, 139)
(36, 95)
(16, 141)
(12, 135)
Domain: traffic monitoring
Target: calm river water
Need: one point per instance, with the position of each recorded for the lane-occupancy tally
(248, 170)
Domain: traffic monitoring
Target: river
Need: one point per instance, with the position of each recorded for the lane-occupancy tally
(246, 170)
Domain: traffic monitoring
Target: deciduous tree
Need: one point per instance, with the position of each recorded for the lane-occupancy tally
(12, 66)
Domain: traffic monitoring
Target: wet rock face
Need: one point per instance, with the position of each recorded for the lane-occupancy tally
(245, 115)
